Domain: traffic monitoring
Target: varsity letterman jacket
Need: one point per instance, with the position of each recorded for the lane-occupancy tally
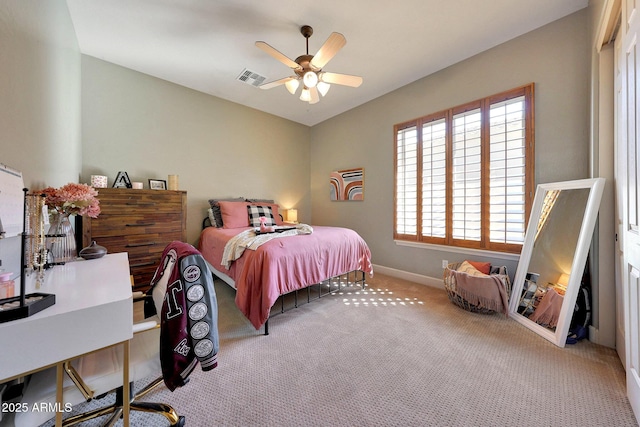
(183, 284)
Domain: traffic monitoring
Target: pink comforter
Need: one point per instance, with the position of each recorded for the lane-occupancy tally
(285, 264)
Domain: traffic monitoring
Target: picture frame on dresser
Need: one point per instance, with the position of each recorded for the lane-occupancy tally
(157, 184)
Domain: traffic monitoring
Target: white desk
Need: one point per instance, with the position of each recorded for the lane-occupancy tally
(93, 310)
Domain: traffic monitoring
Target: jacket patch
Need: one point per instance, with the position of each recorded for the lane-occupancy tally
(198, 311)
(191, 273)
(195, 293)
(203, 348)
(182, 348)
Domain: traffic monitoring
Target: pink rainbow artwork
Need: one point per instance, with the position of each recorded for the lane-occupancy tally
(347, 184)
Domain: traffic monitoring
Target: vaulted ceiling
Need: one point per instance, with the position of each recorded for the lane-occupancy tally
(206, 44)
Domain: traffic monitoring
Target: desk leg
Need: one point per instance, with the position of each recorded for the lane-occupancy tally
(125, 390)
(59, 383)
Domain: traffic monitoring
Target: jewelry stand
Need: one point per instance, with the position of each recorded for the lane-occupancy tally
(33, 259)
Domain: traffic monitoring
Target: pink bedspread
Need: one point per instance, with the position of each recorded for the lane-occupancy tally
(285, 264)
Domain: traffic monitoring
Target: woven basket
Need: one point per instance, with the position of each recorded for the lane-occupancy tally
(450, 286)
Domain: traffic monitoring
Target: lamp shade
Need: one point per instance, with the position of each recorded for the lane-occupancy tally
(310, 79)
(292, 215)
(305, 95)
(292, 86)
(563, 279)
(323, 88)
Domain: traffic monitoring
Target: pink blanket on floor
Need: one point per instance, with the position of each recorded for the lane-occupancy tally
(285, 264)
(482, 291)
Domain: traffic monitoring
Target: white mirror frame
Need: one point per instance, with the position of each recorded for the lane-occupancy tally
(559, 336)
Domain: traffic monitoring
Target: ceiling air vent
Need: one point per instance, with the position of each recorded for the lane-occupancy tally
(251, 78)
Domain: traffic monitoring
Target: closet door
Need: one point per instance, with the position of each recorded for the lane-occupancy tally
(628, 185)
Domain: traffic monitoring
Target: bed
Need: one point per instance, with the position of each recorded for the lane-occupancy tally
(284, 262)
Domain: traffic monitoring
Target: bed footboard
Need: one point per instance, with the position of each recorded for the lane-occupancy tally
(316, 291)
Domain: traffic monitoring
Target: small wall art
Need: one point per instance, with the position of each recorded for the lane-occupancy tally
(347, 184)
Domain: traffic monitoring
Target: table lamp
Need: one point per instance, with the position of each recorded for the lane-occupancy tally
(292, 215)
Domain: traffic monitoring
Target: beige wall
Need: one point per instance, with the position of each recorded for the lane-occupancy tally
(39, 92)
(555, 58)
(151, 128)
(39, 100)
(602, 257)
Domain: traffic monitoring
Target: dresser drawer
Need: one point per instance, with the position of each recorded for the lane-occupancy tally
(125, 225)
(139, 244)
(126, 202)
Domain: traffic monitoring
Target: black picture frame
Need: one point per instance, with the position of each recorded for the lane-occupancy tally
(157, 184)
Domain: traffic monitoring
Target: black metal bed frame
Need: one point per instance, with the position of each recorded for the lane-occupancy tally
(332, 285)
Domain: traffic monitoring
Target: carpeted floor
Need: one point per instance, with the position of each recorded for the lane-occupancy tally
(397, 354)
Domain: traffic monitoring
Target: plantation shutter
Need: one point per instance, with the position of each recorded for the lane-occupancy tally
(466, 176)
(407, 181)
(434, 179)
(507, 180)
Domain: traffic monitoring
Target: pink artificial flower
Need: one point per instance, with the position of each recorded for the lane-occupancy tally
(72, 199)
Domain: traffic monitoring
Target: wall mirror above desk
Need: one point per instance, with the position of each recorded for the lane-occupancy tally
(554, 255)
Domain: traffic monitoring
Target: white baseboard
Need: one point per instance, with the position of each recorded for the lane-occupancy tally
(596, 337)
(412, 277)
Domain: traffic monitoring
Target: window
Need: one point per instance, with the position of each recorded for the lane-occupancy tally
(464, 176)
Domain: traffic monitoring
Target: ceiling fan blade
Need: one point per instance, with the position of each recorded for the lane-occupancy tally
(278, 55)
(341, 79)
(276, 83)
(314, 95)
(334, 43)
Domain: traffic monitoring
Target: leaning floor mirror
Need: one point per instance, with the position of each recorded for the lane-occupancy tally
(554, 255)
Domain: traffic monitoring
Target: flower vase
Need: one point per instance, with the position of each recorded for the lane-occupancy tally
(62, 239)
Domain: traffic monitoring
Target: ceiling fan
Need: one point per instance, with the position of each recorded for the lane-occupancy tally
(308, 68)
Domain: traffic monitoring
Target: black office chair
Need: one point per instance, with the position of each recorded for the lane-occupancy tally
(184, 332)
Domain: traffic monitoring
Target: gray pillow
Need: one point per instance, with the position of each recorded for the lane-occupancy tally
(260, 201)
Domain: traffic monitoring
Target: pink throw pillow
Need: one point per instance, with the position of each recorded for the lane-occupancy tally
(234, 214)
(483, 267)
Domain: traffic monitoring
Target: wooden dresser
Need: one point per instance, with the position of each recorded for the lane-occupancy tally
(140, 222)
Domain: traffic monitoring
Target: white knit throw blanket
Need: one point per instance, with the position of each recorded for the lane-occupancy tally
(249, 240)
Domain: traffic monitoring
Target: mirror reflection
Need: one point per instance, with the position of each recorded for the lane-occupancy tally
(554, 246)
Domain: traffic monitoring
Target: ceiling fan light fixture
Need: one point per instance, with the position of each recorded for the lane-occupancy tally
(323, 88)
(310, 79)
(309, 68)
(305, 95)
(292, 86)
